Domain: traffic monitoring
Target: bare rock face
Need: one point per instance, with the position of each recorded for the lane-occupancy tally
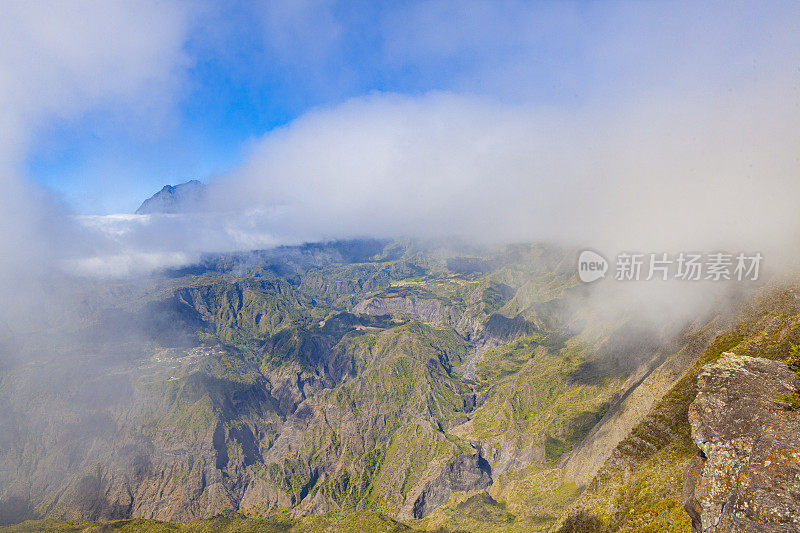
(747, 475)
(463, 473)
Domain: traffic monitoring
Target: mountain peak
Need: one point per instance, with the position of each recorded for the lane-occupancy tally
(174, 198)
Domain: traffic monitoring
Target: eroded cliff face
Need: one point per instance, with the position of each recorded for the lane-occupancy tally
(747, 474)
(465, 472)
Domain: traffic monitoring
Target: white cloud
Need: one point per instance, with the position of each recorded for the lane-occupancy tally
(60, 61)
(664, 168)
(66, 58)
(126, 263)
(604, 53)
(699, 172)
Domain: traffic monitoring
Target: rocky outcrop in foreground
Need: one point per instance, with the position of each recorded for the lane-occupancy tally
(747, 474)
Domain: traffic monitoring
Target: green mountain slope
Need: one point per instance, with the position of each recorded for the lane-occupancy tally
(362, 384)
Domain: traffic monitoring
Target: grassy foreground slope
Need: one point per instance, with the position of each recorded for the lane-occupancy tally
(639, 487)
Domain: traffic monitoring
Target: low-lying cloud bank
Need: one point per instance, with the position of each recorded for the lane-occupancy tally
(706, 171)
(701, 174)
(706, 164)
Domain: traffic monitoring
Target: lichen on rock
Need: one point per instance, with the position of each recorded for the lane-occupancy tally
(747, 474)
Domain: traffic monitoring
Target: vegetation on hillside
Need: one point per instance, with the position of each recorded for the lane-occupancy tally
(277, 398)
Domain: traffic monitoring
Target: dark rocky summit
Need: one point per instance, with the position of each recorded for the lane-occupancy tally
(747, 474)
(174, 199)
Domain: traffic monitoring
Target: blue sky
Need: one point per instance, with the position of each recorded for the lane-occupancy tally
(252, 67)
(247, 68)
